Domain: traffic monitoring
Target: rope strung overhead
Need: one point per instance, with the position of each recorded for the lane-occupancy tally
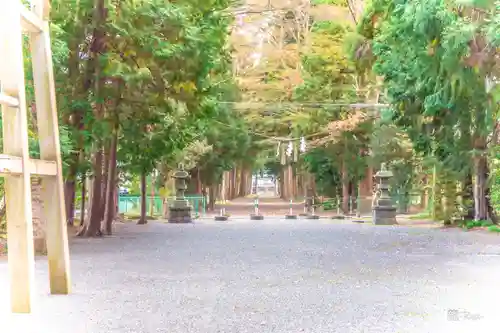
(304, 104)
(326, 132)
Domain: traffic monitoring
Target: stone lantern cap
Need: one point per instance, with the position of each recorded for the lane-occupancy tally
(384, 173)
(181, 173)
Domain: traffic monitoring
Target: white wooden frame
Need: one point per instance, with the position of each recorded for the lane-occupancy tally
(16, 165)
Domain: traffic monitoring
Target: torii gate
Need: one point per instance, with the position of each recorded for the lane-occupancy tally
(15, 164)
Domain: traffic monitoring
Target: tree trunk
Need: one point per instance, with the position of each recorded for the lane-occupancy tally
(165, 208)
(231, 184)
(166, 186)
(437, 196)
(345, 190)
(83, 199)
(212, 197)
(289, 182)
(480, 189)
(74, 161)
(92, 225)
(69, 194)
(255, 185)
(491, 211)
(199, 185)
(105, 180)
(153, 195)
(143, 218)
(424, 194)
(468, 197)
(285, 191)
(365, 190)
(3, 207)
(222, 187)
(115, 199)
(248, 182)
(235, 183)
(242, 184)
(352, 196)
(110, 209)
(296, 183)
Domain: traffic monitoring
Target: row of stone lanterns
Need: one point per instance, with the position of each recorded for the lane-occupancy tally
(383, 210)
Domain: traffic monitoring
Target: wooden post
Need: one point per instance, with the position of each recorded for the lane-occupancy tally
(48, 133)
(15, 144)
(16, 166)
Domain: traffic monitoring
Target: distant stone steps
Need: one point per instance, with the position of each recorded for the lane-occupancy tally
(262, 201)
(269, 206)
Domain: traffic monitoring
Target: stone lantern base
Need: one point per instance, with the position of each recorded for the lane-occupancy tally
(383, 215)
(180, 212)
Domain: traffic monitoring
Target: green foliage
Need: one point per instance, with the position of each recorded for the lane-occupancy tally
(228, 136)
(341, 3)
(329, 205)
(420, 51)
(495, 179)
(324, 166)
(166, 65)
(494, 228)
(478, 224)
(328, 76)
(325, 67)
(475, 3)
(436, 61)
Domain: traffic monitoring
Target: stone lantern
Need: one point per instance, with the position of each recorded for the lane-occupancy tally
(384, 212)
(179, 208)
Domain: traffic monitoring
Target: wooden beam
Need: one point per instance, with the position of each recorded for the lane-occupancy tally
(46, 9)
(8, 101)
(48, 133)
(11, 165)
(30, 22)
(15, 133)
(43, 168)
(42, 8)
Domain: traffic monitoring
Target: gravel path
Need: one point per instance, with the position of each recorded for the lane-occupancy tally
(271, 276)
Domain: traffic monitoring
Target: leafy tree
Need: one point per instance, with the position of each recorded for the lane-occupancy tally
(436, 61)
(134, 80)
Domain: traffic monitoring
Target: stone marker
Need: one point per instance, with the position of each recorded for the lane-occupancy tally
(256, 215)
(291, 215)
(338, 216)
(384, 212)
(180, 209)
(222, 216)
